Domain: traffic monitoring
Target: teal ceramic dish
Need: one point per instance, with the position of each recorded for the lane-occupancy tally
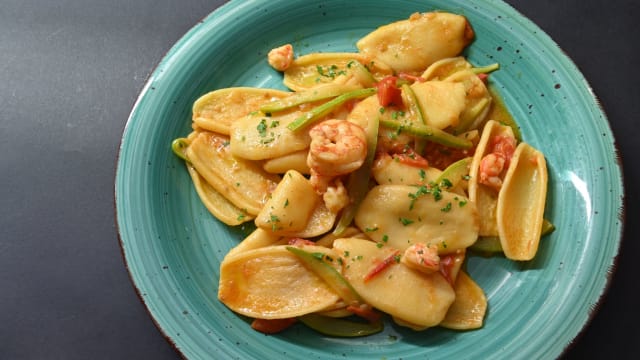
(173, 247)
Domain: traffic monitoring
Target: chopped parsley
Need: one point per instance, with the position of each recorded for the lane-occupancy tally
(262, 127)
(330, 71)
(406, 221)
(274, 220)
(445, 183)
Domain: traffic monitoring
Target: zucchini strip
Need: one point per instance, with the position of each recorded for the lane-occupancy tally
(428, 132)
(324, 109)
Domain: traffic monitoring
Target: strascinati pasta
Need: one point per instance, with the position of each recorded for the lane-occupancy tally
(368, 183)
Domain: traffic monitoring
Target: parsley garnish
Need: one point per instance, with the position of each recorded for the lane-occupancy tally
(406, 221)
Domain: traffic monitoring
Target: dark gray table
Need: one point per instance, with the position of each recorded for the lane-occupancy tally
(70, 71)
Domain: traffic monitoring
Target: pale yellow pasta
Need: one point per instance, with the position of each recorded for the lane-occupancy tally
(419, 299)
(244, 183)
(290, 206)
(258, 136)
(258, 238)
(470, 306)
(217, 110)
(387, 170)
(271, 283)
(294, 161)
(521, 203)
(442, 68)
(217, 203)
(442, 102)
(485, 198)
(402, 215)
(414, 44)
(311, 70)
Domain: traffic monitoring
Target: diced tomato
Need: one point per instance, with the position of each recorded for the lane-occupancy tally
(440, 156)
(272, 326)
(388, 91)
(483, 77)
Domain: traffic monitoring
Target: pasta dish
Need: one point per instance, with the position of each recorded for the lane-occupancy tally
(369, 182)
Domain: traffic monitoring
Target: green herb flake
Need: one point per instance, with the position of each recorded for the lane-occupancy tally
(445, 183)
(446, 208)
(422, 190)
(406, 221)
(262, 127)
(274, 220)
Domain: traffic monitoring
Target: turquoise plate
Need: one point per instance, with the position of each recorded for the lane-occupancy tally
(173, 247)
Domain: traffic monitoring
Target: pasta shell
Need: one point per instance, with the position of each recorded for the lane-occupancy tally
(258, 238)
(414, 44)
(295, 209)
(485, 198)
(441, 69)
(468, 310)
(388, 171)
(216, 203)
(217, 110)
(477, 100)
(294, 161)
(417, 298)
(402, 215)
(258, 136)
(243, 183)
(311, 70)
(272, 283)
(441, 102)
(521, 203)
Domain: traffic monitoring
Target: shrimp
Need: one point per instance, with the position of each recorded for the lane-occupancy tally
(493, 164)
(491, 167)
(337, 147)
(422, 257)
(281, 57)
(336, 197)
